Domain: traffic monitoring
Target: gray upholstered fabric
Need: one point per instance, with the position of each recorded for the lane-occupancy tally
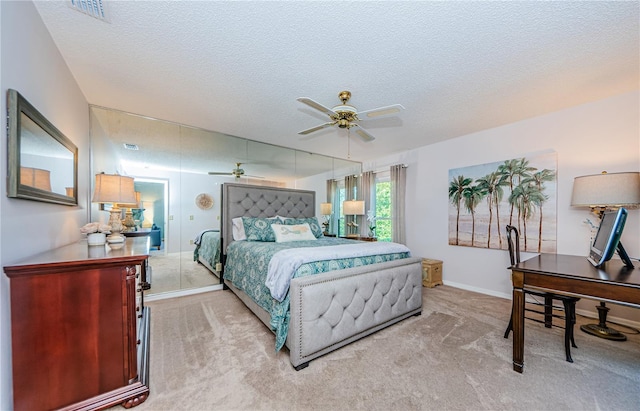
(243, 200)
(333, 309)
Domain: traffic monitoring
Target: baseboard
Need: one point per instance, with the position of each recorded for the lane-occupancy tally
(182, 293)
(477, 290)
(582, 312)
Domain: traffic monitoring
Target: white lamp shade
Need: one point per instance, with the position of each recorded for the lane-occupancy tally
(137, 204)
(353, 207)
(607, 190)
(36, 178)
(325, 208)
(113, 188)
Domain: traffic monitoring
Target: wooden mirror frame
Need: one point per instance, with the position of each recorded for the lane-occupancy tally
(16, 106)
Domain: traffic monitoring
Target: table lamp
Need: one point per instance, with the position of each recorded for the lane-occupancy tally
(354, 208)
(36, 178)
(114, 189)
(325, 210)
(602, 192)
(128, 221)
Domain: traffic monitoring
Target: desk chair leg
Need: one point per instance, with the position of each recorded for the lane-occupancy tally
(570, 320)
(548, 311)
(510, 326)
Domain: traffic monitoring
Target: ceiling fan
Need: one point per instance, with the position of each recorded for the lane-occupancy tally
(236, 172)
(347, 116)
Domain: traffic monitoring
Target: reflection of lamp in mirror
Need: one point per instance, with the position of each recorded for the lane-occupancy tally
(354, 208)
(36, 178)
(128, 221)
(114, 189)
(325, 210)
(603, 192)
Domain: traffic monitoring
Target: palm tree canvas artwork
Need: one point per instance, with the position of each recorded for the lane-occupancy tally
(521, 192)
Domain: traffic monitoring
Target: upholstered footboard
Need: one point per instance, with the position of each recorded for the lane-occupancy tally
(334, 309)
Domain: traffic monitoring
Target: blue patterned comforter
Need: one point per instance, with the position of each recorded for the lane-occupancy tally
(247, 266)
(208, 247)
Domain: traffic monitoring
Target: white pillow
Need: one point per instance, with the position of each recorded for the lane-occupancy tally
(287, 233)
(238, 229)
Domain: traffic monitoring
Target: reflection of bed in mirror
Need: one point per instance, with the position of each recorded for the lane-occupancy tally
(207, 251)
(321, 312)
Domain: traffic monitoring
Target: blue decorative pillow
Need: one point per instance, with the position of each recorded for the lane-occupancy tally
(316, 228)
(259, 229)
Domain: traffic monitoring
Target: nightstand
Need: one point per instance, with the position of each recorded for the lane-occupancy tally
(361, 238)
(431, 272)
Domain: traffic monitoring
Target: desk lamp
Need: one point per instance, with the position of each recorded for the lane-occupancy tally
(602, 192)
(114, 189)
(354, 208)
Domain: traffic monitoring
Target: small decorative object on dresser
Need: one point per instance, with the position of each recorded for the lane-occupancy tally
(431, 272)
(96, 233)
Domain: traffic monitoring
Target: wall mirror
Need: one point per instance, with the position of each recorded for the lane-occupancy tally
(42, 162)
(174, 166)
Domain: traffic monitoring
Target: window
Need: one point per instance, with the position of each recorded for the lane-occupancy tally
(383, 210)
(380, 202)
(340, 195)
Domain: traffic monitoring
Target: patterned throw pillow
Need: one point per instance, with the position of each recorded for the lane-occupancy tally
(238, 229)
(259, 229)
(287, 232)
(316, 228)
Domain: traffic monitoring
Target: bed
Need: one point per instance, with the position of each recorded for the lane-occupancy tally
(324, 311)
(207, 251)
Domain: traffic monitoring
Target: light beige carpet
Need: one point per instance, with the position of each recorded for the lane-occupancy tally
(208, 352)
(177, 271)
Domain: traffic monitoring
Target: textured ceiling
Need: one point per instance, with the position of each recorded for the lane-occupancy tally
(457, 67)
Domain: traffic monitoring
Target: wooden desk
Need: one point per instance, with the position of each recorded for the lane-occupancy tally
(571, 275)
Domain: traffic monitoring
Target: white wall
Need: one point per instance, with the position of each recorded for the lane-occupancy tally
(603, 135)
(32, 65)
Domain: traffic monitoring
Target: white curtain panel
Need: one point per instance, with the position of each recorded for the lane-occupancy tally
(367, 187)
(398, 190)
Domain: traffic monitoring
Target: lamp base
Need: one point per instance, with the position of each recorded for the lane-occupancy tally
(601, 330)
(115, 238)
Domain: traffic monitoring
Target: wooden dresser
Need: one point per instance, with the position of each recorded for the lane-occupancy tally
(80, 330)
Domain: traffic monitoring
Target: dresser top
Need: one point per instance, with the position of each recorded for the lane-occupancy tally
(80, 254)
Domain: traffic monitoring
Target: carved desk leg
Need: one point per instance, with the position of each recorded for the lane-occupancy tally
(518, 320)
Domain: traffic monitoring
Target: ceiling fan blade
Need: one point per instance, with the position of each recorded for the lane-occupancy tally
(380, 111)
(250, 176)
(364, 134)
(316, 128)
(316, 105)
(215, 173)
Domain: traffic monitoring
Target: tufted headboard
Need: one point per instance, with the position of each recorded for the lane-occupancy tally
(242, 200)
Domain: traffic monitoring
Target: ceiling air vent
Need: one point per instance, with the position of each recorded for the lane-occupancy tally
(129, 146)
(93, 8)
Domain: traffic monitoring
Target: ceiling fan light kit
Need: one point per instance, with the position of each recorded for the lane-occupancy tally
(347, 116)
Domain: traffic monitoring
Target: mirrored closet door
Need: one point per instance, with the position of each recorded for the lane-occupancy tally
(178, 171)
